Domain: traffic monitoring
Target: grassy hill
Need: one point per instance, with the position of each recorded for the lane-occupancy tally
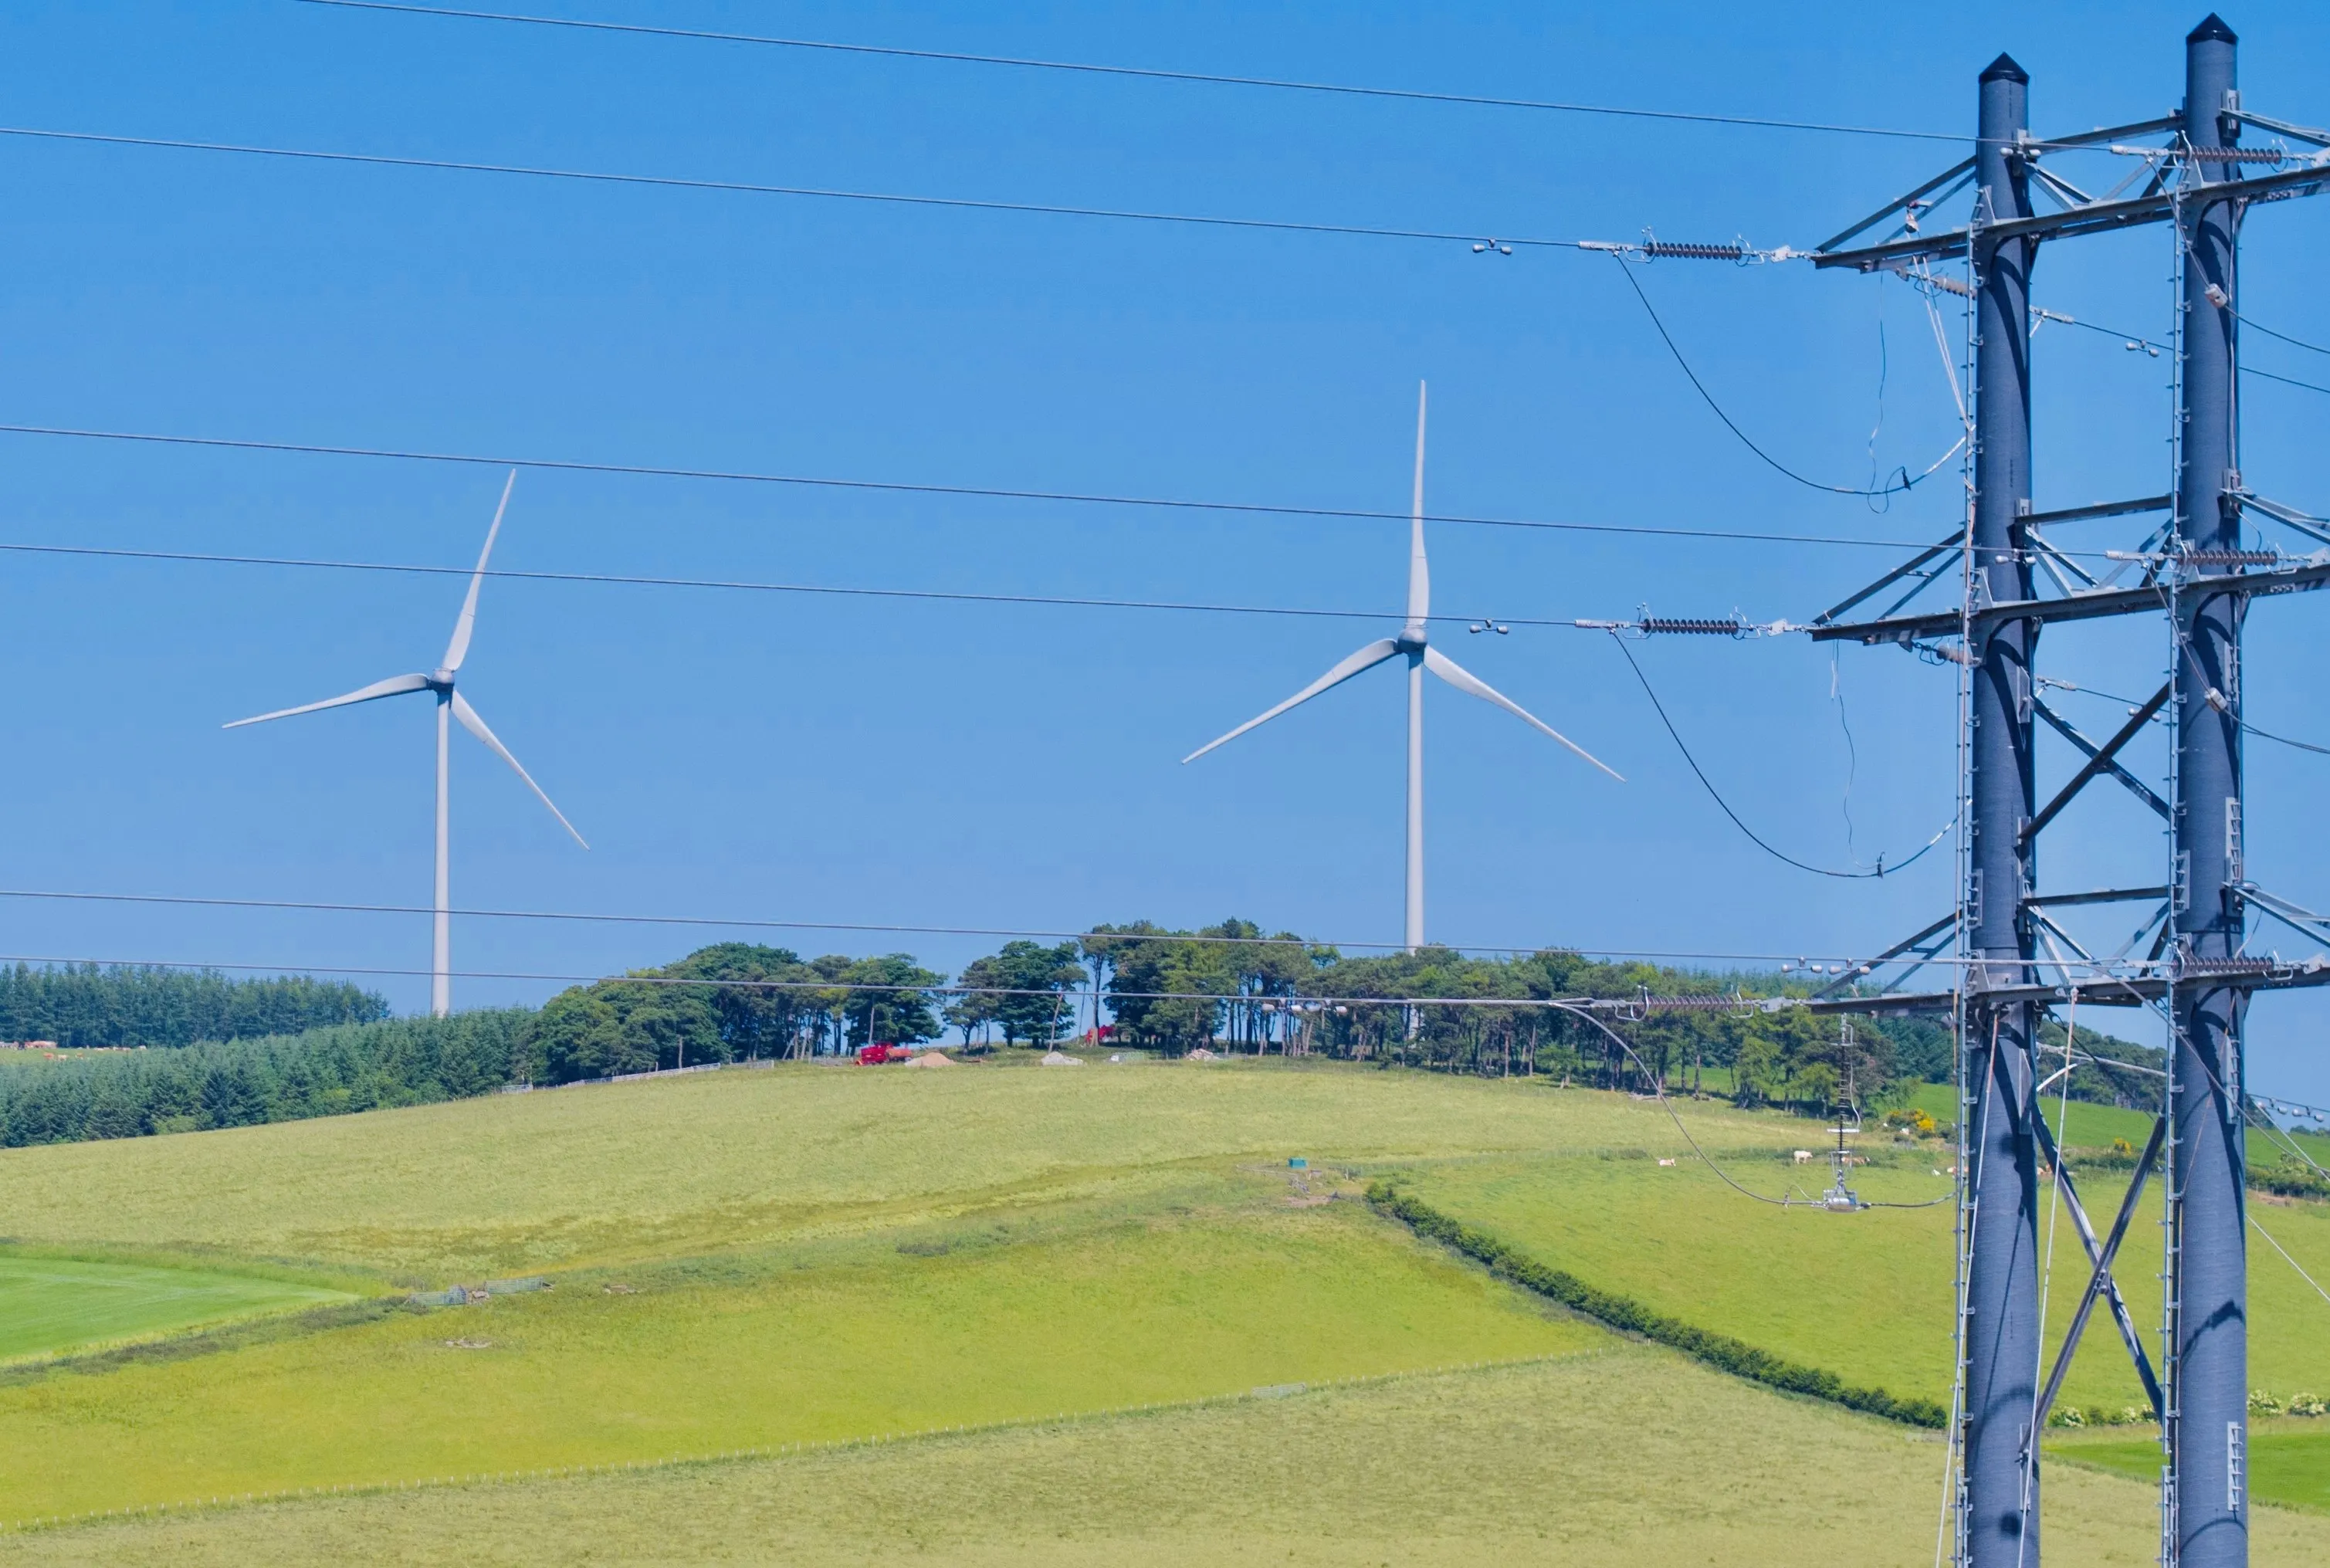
(1865, 1295)
(778, 1259)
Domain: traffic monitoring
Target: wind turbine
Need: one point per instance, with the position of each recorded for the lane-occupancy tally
(450, 704)
(1413, 642)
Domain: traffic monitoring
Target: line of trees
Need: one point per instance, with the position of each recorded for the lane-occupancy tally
(737, 1001)
(1233, 988)
(87, 1005)
(1225, 988)
(328, 1072)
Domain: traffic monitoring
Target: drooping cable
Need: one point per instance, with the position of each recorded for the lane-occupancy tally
(1715, 794)
(2247, 728)
(1899, 484)
(2136, 341)
(1659, 1090)
(2280, 336)
(1146, 74)
(1851, 751)
(2288, 1144)
(2286, 1258)
(2286, 380)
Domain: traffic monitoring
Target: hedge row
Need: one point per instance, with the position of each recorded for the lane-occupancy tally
(2289, 1179)
(1717, 1350)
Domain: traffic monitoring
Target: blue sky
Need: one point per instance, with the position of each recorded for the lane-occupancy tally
(815, 759)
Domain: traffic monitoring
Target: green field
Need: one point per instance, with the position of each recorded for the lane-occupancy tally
(51, 1306)
(1058, 1294)
(1866, 1295)
(1612, 1459)
(2289, 1460)
(777, 1349)
(609, 1172)
(2089, 1126)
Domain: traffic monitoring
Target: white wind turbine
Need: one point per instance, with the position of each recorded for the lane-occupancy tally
(1413, 642)
(450, 703)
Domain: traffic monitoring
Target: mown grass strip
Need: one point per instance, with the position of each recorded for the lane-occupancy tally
(1719, 1351)
(784, 1451)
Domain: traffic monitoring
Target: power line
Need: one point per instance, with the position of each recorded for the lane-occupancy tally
(2248, 728)
(2133, 341)
(2285, 337)
(2286, 380)
(894, 929)
(1890, 487)
(1147, 74)
(618, 579)
(312, 906)
(1717, 796)
(817, 192)
(975, 492)
(893, 987)
(2132, 705)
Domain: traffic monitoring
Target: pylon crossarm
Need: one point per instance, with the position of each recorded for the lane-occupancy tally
(2067, 194)
(2056, 564)
(2320, 138)
(1948, 546)
(2106, 135)
(2052, 933)
(2144, 986)
(2296, 916)
(2101, 895)
(2090, 606)
(2100, 1284)
(2099, 217)
(1944, 927)
(2100, 759)
(2101, 509)
(1955, 175)
(2288, 516)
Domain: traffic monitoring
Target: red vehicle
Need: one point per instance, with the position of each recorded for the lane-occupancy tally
(877, 1055)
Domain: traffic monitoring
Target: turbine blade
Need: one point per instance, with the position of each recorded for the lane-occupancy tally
(1374, 654)
(457, 648)
(1419, 570)
(395, 686)
(477, 726)
(1465, 681)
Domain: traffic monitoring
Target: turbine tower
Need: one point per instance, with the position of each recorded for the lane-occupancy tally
(451, 705)
(1413, 642)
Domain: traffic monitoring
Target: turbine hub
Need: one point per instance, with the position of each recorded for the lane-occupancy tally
(1411, 639)
(440, 679)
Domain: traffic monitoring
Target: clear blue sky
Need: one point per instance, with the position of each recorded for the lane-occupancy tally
(870, 760)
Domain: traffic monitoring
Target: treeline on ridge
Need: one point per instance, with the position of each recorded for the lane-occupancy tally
(1233, 988)
(1226, 988)
(328, 1072)
(80, 1005)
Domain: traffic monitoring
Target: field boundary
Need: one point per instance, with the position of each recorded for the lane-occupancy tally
(1720, 1351)
(1277, 1390)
